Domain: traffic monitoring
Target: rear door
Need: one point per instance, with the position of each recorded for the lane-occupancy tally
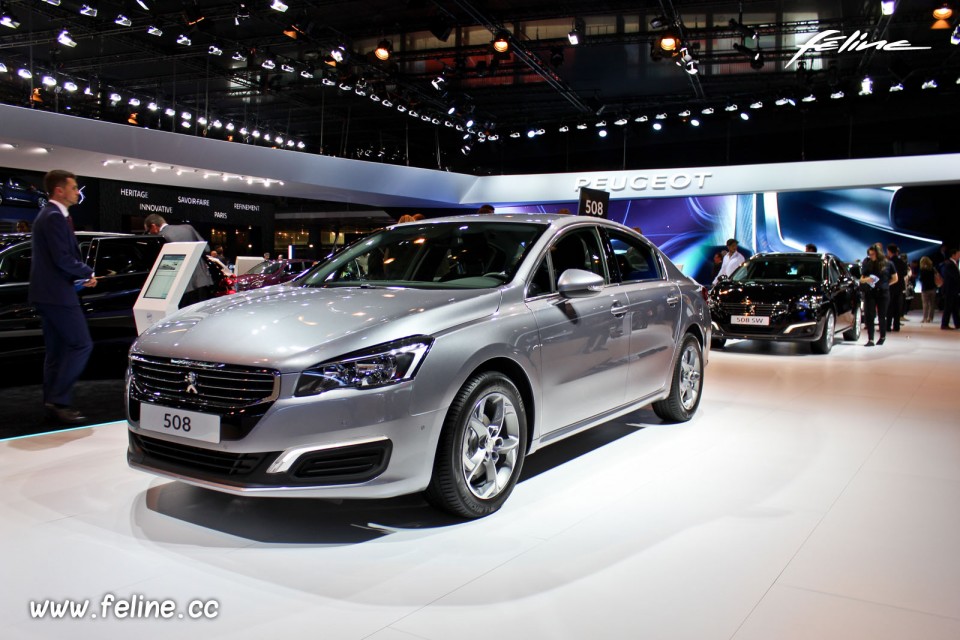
(19, 321)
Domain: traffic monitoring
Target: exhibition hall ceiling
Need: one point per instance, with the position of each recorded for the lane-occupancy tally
(745, 82)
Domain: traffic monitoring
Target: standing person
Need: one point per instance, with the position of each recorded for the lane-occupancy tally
(928, 288)
(810, 248)
(876, 275)
(897, 288)
(950, 289)
(200, 285)
(715, 265)
(731, 260)
(486, 208)
(56, 269)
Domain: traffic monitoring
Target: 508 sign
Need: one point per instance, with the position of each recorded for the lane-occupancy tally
(593, 202)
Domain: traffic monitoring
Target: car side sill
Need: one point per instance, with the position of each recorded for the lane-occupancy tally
(569, 430)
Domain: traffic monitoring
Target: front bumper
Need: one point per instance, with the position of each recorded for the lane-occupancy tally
(785, 329)
(340, 444)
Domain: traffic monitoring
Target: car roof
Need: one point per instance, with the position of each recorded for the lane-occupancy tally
(553, 219)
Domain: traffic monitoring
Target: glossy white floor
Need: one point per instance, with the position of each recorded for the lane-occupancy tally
(812, 497)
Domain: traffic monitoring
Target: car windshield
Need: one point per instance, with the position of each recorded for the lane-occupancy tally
(780, 268)
(265, 268)
(440, 255)
(10, 240)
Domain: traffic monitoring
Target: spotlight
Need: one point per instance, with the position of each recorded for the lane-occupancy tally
(8, 20)
(185, 124)
(661, 116)
(339, 53)
(602, 133)
(501, 43)
(214, 50)
(169, 112)
(601, 124)
(887, 7)
(438, 83)
(744, 115)
(469, 123)
(620, 121)
(65, 39)
(269, 64)
(837, 95)
(70, 86)
(515, 134)
(184, 40)
(658, 22)
(231, 126)
(708, 111)
(657, 126)
(531, 133)
(685, 113)
(955, 36)
(581, 126)
(256, 133)
(115, 98)
(383, 50)
(134, 102)
(155, 31)
(564, 129)
(574, 37)
(756, 105)
(153, 106)
(687, 62)
(669, 43)
(286, 68)
(244, 131)
(866, 86)
(731, 107)
(641, 119)
(87, 10)
(929, 84)
(55, 3)
(694, 122)
(202, 121)
(217, 124)
(48, 81)
(278, 140)
(754, 55)
(143, 5)
(809, 98)
(123, 21)
(745, 31)
(24, 73)
(238, 56)
(301, 145)
(894, 88)
(387, 103)
(943, 12)
(277, 5)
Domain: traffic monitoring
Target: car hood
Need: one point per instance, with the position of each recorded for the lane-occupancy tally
(763, 292)
(251, 281)
(292, 328)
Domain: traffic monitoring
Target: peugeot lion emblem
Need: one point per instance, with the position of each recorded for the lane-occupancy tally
(191, 380)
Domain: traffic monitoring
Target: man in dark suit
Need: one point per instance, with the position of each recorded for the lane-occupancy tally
(950, 290)
(55, 270)
(200, 285)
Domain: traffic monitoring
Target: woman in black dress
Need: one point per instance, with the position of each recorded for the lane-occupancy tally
(877, 274)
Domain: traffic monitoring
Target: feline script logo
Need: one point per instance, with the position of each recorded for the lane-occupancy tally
(857, 41)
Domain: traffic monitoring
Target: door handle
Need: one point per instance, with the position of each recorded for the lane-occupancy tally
(673, 300)
(618, 310)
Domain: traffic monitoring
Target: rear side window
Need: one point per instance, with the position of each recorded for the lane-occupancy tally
(632, 258)
(15, 266)
(119, 257)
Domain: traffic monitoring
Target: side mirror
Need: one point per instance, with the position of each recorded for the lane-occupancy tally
(723, 278)
(577, 283)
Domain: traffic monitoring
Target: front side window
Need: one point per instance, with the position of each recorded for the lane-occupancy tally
(578, 249)
(15, 266)
(449, 255)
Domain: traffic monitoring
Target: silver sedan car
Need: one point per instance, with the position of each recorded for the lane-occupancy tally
(428, 357)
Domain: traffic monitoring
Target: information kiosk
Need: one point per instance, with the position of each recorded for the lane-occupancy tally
(167, 282)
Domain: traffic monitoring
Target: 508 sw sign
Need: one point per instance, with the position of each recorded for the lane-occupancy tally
(857, 41)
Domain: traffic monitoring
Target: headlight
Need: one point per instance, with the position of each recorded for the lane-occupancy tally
(371, 368)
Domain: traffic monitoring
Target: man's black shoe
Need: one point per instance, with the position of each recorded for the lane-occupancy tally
(64, 415)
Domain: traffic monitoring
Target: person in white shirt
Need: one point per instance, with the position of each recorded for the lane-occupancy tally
(731, 260)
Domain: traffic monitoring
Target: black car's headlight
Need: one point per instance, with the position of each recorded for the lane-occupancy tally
(371, 368)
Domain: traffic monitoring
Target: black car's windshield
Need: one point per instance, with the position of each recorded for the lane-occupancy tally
(442, 255)
(780, 268)
(265, 268)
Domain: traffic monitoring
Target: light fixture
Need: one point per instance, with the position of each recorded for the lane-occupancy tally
(642, 118)
(943, 12)
(809, 98)
(786, 100)
(744, 115)
(169, 112)
(155, 31)
(955, 36)
(564, 129)
(620, 121)
(685, 113)
(866, 86)
(339, 53)
(123, 21)
(244, 131)
(438, 83)
(277, 5)
(531, 133)
(501, 43)
(601, 124)
(894, 88)
(383, 50)
(929, 84)
(185, 124)
(214, 50)
(731, 107)
(134, 102)
(469, 123)
(301, 145)
(184, 40)
(669, 42)
(217, 124)
(143, 5)
(574, 37)
(286, 68)
(88, 91)
(754, 55)
(387, 103)
(202, 121)
(514, 134)
(756, 105)
(8, 20)
(694, 122)
(887, 7)
(708, 111)
(278, 140)
(657, 126)
(837, 95)
(256, 133)
(290, 143)
(659, 22)
(687, 62)
(186, 115)
(115, 98)
(153, 106)
(87, 10)
(65, 39)
(602, 133)
(743, 30)
(48, 81)
(238, 56)
(306, 73)
(68, 85)
(661, 116)
(269, 64)
(55, 3)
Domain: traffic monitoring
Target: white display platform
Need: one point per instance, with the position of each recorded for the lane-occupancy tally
(245, 263)
(811, 497)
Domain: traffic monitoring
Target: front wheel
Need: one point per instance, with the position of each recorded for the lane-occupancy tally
(853, 333)
(686, 383)
(825, 343)
(481, 448)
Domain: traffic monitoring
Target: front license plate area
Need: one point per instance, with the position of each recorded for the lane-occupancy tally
(752, 321)
(178, 422)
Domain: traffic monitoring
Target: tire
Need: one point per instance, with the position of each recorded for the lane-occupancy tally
(481, 449)
(41, 202)
(825, 343)
(853, 333)
(686, 383)
(717, 343)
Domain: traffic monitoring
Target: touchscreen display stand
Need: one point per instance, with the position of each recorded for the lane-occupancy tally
(167, 282)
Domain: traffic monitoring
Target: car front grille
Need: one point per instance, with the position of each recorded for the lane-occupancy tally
(752, 309)
(204, 386)
(207, 461)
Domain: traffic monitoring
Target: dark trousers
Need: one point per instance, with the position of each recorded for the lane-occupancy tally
(875, 306)
(895, 308)
(951, 309)
(68, 346)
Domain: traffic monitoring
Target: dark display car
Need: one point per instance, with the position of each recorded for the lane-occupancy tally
(795, 297)
(271, 272)
(121, 263)
(429, 356)
(20, 192)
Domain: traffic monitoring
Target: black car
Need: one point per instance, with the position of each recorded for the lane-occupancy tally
(121, 263)
(796, 297)
(18, 191)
